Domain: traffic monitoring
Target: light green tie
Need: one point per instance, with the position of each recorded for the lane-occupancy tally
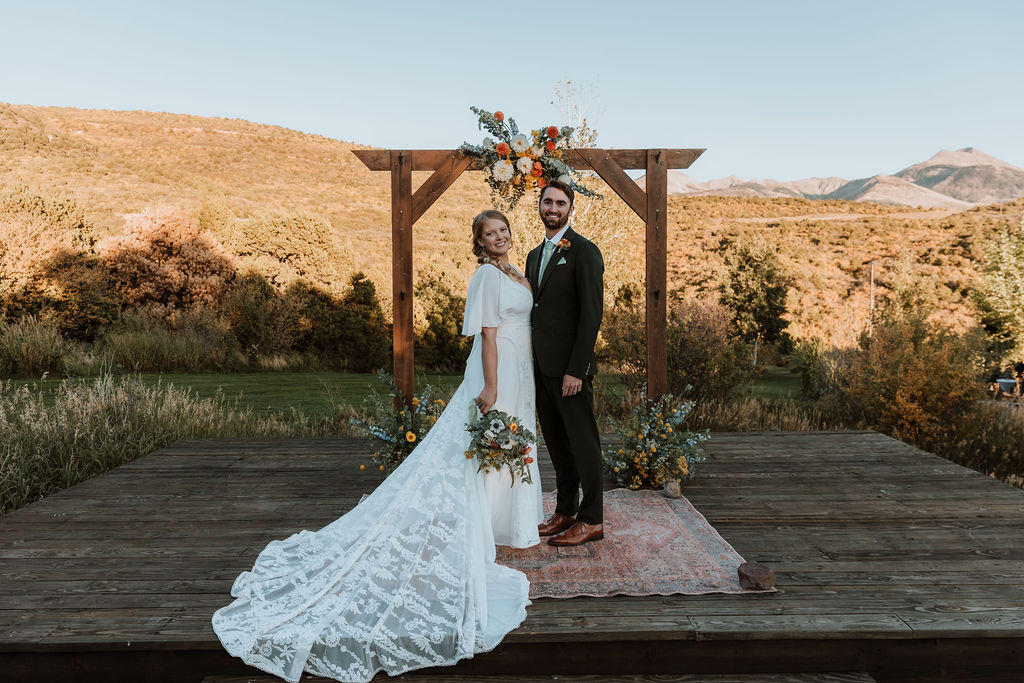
(549, 248)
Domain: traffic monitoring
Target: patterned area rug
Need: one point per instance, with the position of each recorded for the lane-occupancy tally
(653, 545)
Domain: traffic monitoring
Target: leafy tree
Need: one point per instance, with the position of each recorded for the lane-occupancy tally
(755, 288)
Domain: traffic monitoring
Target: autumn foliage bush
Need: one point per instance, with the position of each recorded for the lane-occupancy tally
(912, 380)
(164, 262)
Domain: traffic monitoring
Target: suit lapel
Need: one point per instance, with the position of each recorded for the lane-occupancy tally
(555, 258)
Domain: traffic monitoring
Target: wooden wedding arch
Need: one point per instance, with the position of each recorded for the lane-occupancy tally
(649, 203)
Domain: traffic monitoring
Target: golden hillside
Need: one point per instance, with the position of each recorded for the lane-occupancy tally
(118, 163)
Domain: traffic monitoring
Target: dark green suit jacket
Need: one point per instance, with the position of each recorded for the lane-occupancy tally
(567, 307)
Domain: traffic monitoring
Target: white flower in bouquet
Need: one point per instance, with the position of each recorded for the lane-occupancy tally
(520, 143)
(488, 144)
(488, 434)
(509, 443)
(502, 170)
(525, 165)
(564, 178)
(536, 151)
(497, 425)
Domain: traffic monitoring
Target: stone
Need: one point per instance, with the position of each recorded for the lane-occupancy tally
(674, 489)
(756, 576)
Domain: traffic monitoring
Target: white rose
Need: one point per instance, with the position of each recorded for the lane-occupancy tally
(502, 170)
(520, 143)
(488, 434)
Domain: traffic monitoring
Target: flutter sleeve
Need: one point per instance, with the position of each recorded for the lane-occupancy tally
(482, 300)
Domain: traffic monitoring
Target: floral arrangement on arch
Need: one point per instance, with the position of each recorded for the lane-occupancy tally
(397, 425)
(656, 445)
(515, 162)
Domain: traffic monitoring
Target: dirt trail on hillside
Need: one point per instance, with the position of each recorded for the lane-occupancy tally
(930, 213)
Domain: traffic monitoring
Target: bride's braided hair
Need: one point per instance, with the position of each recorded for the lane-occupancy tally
(478, 229)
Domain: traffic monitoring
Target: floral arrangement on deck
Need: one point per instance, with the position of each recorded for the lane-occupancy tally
(500, 441)
(656, 445)
(515, 162)
(399, 425)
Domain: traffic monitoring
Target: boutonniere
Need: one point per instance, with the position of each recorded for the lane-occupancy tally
(563, 245)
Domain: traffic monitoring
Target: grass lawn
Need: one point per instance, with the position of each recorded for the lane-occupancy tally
(316, 392)
(775, 383)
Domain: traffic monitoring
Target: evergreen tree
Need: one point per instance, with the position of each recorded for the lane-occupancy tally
(1000, 295)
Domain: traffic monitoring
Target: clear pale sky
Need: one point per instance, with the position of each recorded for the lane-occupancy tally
(779, 90)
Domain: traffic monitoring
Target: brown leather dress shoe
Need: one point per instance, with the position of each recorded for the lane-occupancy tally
(577, 534)
(556, 523)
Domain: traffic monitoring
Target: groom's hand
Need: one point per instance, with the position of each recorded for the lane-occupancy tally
(571, 385)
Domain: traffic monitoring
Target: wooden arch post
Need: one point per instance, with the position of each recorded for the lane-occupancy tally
(650, 204)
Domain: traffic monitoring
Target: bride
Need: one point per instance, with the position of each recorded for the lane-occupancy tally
(407, 579)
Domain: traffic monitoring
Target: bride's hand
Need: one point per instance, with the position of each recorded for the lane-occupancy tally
(485, 401)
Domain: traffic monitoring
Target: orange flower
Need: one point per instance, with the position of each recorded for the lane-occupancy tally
(527, 460)
(552, 131)
(410, 437)
(541, 182)
(537, 164)
(537, 173)
(499, 117)
(514, 427)
(550, 145)
(502, 149)
(362, 467)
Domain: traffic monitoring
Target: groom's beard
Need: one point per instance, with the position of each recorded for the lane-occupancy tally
(555, 223)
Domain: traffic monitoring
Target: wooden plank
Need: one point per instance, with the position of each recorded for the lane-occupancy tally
(401, 270)
(657, 281)
(433, 187)
(612, 173)
(432, 159)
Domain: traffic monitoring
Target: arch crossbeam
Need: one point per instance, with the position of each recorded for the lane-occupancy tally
(650, 204)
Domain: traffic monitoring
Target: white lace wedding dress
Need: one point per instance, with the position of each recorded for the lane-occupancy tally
(407, 578)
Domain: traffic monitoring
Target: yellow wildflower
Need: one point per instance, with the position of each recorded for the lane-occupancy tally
(410, 437)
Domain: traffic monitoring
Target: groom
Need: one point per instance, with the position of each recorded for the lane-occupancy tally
(566, 272)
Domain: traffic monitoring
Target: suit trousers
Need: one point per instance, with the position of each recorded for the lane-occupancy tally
(574, 444)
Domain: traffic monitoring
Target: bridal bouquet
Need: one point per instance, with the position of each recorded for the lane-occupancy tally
(515, 162)
(499, 441)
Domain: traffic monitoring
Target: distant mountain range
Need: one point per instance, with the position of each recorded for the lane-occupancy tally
(953, 180)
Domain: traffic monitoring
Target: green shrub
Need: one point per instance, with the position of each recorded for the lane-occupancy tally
(30, 347)
(264, 322)
(704, 360)
(72, 289)
(440, 345)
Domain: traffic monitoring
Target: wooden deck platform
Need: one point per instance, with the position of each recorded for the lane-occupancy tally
(890, 561)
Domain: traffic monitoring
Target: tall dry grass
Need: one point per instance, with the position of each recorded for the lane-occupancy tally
(53, 441)
(760, 415)
(30, 347)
